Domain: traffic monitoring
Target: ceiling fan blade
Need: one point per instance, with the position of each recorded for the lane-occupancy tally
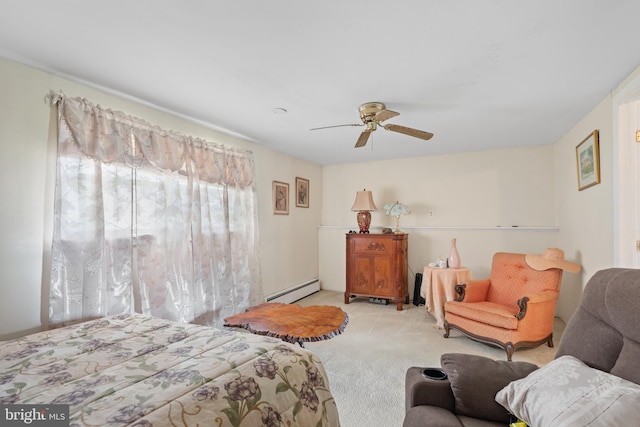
(409, 131)
(364, 137)
(385, 115)
(337, 126)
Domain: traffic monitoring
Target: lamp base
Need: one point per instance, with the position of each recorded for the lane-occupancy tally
(364, 220)
(397, 230)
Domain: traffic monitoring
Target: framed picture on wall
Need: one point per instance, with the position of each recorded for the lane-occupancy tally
(588, 161)
(302, 192)
(280, 198)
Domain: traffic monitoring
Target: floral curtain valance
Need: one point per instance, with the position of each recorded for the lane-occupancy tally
(111, 136)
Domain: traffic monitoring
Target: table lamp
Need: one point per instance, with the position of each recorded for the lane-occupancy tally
(396, 209)
(364, 205)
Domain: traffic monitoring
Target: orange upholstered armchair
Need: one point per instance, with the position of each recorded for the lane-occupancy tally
(515, 306)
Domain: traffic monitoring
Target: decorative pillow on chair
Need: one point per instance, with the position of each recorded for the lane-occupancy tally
(475, 380)
(566, 392)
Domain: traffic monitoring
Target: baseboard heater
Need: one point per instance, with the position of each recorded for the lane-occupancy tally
(295, 293)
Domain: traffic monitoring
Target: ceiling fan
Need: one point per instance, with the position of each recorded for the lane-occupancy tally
(373, 114)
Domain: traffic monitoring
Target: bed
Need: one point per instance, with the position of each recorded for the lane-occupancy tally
(144, 371)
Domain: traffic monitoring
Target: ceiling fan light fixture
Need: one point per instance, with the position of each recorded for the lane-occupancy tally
(373, 114)
(369, 110)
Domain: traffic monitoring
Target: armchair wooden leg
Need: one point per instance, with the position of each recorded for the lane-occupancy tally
(509, 348)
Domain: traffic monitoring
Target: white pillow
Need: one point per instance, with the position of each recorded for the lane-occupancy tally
(566, 392)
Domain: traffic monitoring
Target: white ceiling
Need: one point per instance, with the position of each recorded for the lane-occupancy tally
(478, 74)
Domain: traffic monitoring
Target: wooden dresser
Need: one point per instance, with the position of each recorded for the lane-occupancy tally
(377, 267)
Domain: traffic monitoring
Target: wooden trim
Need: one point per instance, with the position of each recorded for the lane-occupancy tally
(508, 347)
(522, 303)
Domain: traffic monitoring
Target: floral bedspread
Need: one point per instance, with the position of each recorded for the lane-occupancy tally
(144, 371)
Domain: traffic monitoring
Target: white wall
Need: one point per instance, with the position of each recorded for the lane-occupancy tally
(289, 243)
(586, 217)
(471, 195)
(626, 117)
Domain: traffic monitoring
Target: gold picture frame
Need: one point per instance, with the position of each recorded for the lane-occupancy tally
(280, 198)
(588, 161)
(302, 192)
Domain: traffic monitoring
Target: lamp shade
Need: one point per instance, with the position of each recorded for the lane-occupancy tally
(364, 201)
(397, 208)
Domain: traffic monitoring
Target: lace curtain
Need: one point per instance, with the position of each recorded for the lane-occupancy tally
(149, 220)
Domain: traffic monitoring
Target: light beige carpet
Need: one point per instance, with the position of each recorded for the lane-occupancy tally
(366, 364)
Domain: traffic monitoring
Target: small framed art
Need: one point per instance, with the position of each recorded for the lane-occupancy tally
(588, 161)
(280, 198)
(302, 192)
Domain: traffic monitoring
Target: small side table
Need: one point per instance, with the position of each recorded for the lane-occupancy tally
(438, 286)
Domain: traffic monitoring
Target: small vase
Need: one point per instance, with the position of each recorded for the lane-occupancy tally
(454, 257)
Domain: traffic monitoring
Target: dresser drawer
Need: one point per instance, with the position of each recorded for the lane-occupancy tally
(368, 246)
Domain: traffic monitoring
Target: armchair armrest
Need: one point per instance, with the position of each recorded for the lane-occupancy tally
(543, 296)
(536, 298)
(473, 290)
(423, 391)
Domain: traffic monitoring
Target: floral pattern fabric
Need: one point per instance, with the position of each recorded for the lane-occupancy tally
(145, 371)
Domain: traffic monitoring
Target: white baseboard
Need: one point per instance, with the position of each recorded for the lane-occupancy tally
(295, 293)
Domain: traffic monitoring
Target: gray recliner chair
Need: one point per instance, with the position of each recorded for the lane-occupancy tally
(604, 333)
